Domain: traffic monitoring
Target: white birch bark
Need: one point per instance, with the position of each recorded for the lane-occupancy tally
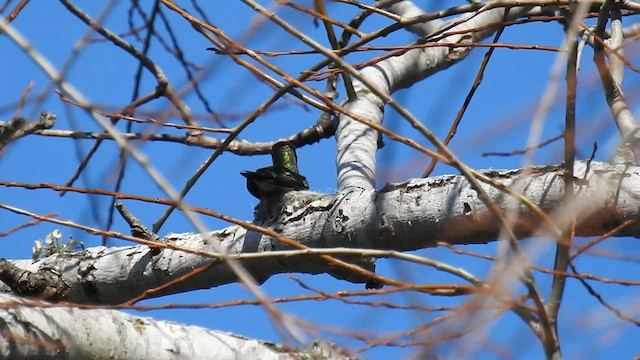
(406, 216)
(31, 331)
(411, 215)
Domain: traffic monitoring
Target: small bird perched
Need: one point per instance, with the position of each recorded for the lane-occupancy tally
(279, 178)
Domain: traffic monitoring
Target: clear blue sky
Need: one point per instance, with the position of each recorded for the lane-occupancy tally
(498, 119)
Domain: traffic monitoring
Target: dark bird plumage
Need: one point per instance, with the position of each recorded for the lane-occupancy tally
(279, 178)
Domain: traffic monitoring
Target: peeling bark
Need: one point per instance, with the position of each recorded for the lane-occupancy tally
(406, 216)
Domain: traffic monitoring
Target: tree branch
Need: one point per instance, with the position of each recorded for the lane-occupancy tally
(412, 215)
(33, 329)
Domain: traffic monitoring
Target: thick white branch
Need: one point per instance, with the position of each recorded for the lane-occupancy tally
(356, 142)
(407, 216)
(414, 65)
(33, 332)
(407, 9)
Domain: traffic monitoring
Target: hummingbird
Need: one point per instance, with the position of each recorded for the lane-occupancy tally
(281, 177)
